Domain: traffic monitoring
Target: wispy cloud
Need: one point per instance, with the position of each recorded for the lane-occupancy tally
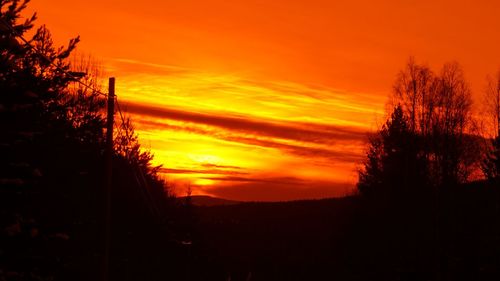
(283, 130)
(202, 171)
(251, 132)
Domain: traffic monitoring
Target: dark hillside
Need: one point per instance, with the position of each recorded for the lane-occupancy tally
(277, 241)
(207, 201)
(351, 239)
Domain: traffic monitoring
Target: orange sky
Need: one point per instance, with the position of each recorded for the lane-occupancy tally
(269, 100)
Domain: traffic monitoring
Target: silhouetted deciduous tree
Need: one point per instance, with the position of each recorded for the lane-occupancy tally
(491, 165)
(437, 110)
(428, 140)
(414, 90)
(452, 124)
(418, 169)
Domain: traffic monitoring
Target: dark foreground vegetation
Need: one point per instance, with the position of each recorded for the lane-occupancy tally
(352, 239)
(428, 206)
(52, 172)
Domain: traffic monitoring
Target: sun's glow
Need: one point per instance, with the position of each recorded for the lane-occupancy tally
(209, 130)
(245, 99)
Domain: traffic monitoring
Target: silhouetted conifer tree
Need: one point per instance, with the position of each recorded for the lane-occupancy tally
(391, 165)
(371, 175)
(52, 145)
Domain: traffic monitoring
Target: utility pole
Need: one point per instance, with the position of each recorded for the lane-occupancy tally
(109, 176)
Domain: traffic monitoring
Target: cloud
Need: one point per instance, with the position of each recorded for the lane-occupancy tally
(274, 180)
(304, 132)
(305, 150)
(134, 67)
(209, 165)
(202, 171)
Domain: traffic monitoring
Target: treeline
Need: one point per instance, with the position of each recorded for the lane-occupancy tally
(429, 187)
(432, 139)
(52, 171)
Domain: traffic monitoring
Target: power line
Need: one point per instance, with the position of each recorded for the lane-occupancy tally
(145, 191)
(122, 119)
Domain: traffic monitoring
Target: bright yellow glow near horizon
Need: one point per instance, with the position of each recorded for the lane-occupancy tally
(209, 130)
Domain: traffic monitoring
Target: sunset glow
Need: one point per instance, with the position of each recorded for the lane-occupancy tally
(267, 100)
(221, 132)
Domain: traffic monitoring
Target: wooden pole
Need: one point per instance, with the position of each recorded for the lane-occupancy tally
(109, 175)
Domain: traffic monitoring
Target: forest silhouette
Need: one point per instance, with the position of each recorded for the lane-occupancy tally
(427, 205)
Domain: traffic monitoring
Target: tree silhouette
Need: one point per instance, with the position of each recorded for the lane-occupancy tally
(425, 213)
(491, 164)
(413, 90)
(392, 161)
(52, 170)
(450, 125)
(437, 109)
(427, 142)
(370, 177)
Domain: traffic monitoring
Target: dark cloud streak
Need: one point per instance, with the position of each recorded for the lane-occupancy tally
(347, 156)
(289, 130)
(201, 171)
